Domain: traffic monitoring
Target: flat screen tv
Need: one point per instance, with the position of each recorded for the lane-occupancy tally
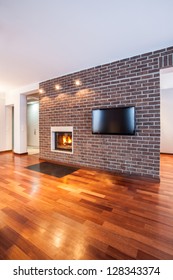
(120, 120)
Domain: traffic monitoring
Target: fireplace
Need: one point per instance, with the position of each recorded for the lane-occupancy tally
(62, 139)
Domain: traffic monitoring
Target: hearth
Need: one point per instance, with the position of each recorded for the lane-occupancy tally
(62, 139)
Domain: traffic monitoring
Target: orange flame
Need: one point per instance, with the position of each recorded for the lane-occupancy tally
(66, 140)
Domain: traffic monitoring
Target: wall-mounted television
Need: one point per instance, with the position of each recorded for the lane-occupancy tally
(120, 120)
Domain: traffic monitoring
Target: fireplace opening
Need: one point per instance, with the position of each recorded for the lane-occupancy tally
(63, 141)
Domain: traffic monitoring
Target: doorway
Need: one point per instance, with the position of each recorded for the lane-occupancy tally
(33, 124)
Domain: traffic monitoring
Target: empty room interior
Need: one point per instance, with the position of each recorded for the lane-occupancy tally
(86, 135)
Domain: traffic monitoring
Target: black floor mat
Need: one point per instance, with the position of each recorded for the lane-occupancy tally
(52, 169)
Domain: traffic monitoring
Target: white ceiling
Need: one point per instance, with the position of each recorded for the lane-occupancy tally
(42, 39)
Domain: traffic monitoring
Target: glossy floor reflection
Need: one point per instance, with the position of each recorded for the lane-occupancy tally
(85, 215)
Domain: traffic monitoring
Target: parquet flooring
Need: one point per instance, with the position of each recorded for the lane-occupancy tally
(85, 215)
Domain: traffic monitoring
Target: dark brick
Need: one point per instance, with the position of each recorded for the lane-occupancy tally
(132, 81)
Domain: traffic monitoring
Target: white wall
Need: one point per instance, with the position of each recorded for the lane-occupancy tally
(33, 124)
(20, 127)
(2, 122)
(166, 110)
(5, 125)
(8, 128)
(166, 114)
(166, 78)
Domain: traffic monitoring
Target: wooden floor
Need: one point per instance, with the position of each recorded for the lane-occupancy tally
(84, 215)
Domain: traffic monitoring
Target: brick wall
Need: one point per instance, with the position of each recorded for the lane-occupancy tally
(129, 82)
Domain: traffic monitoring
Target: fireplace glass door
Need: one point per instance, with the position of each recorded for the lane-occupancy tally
(63, 141)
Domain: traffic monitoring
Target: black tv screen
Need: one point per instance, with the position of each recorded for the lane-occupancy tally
(120, 120)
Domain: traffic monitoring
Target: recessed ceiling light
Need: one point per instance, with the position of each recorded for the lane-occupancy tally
(78, 82)
(41, 90)
(58, 87)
